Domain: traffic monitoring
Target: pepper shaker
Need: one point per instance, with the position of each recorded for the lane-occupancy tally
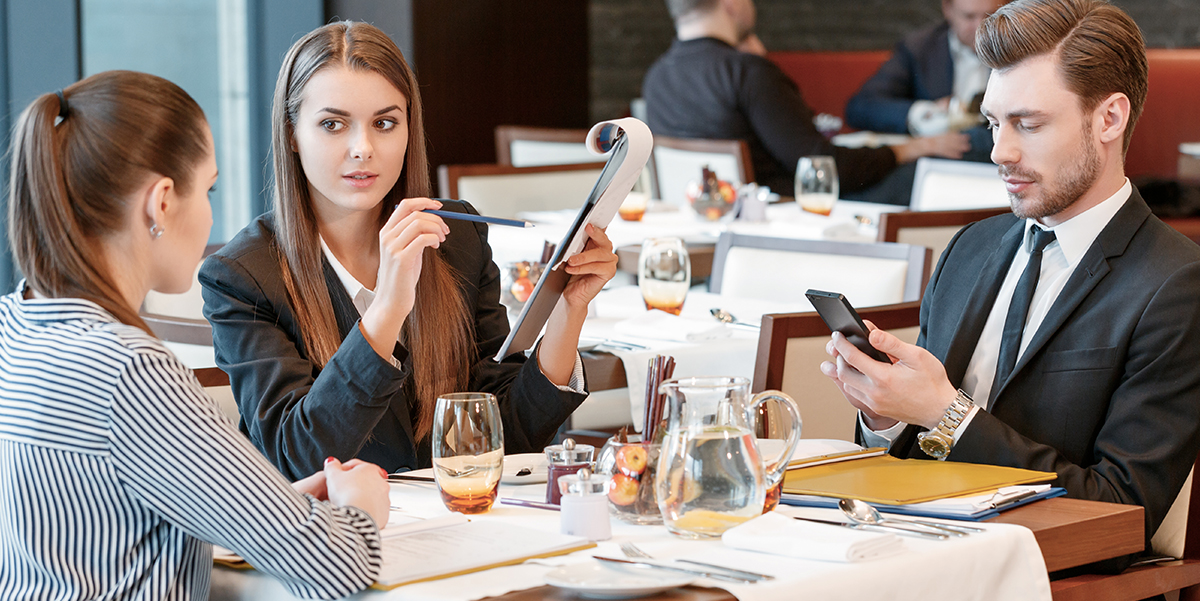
(584, 506)
(563, 459)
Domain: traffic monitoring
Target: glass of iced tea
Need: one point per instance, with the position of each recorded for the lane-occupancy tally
(664, 274)
(816, 184)
(468, 450)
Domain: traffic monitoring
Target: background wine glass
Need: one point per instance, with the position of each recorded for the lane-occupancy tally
(816, 184)
(664, 274)
(468, 450)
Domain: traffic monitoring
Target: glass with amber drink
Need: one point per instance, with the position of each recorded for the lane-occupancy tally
(468, 450)
(664, 274)
(816, 184)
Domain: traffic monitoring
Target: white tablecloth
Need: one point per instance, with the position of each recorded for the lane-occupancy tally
(1002, 563)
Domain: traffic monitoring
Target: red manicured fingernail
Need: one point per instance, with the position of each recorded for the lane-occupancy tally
(328, 459)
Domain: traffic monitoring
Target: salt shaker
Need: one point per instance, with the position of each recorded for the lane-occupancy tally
(563, 459)
(584, 506)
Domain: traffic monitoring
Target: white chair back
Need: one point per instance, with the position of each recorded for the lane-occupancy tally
(675, 168)
(505, 191)
(535, 153)
(942, 184)
(782, 269)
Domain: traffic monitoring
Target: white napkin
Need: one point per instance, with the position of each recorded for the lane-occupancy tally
(777, 534)
(664, 326)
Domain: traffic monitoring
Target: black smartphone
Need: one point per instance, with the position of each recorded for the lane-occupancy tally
(840, 316)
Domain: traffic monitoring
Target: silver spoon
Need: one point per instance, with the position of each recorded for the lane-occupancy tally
(862, 513)
(724, 316)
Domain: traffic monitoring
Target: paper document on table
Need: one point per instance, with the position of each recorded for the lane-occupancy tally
(628, 143)
(466, 548)
(974, 507)
(891, 481)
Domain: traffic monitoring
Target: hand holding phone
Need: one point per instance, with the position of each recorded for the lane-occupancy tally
(841, 317)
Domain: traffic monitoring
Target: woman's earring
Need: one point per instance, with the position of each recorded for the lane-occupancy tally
(156, 232)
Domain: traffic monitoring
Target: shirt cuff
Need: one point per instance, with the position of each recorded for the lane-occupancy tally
(576, 384)
(880, 438)
(962, 426)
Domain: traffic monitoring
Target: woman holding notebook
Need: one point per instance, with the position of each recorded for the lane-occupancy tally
(341, 315)
(115, 466)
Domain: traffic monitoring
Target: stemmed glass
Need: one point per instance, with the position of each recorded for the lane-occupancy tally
(468, 450)
(816, 184)
(664, 274)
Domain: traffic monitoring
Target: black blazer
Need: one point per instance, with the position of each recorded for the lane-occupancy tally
(1107, 394)
(920, 68)
(358, 405)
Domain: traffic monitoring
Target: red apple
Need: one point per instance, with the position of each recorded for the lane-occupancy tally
(631, 459)
(622, 490)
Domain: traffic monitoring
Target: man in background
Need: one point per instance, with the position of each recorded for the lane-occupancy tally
(933, 80)
(704, 87)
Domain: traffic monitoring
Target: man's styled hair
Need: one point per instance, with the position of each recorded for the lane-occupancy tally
(1099, 48)
(680, 8)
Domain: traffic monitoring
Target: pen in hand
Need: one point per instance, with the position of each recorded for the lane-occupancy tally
(476, 218)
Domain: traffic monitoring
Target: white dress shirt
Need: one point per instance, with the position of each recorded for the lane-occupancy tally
(363, 298)
(1072, 239)
(925, 117)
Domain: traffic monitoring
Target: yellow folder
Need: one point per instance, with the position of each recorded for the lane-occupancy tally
(891, 481)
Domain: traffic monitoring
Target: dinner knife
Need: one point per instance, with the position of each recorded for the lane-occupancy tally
(674, 568)
(878, 528)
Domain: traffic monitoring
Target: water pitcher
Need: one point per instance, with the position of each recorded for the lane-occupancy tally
(711, 476)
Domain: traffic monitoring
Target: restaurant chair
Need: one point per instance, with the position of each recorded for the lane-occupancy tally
(791, 347)
(782, 269)
(525, 146)
(504, 191)
(676, 162)
(931, 229)
(943, 184)
(1178, 536)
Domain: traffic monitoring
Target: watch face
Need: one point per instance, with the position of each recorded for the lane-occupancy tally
(934, 446)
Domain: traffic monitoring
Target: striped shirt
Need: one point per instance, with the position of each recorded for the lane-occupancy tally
(117, 472)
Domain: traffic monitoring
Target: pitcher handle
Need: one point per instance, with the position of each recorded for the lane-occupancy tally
(774, 472)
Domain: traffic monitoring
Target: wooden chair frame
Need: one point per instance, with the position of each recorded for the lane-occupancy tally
(918, 257)
(890, 224)
(737, 148)
(507, 134)
(448, 175)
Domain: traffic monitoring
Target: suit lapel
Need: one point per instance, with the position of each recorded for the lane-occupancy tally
(979, 304)
(1112, 242)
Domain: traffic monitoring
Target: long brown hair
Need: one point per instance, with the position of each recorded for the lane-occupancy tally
(438, 331)
(71, 180)
(1099, 48)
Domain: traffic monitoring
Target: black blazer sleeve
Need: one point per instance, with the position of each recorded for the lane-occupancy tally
(920, 68)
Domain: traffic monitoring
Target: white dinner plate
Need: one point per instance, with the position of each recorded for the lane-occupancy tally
(602, 581)
(514, 464)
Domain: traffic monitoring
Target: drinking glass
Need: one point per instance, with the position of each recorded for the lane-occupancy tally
(664, 274)
(468, 450)
(816, 184)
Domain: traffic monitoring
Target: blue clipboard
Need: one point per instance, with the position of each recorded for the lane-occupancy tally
(917, 511)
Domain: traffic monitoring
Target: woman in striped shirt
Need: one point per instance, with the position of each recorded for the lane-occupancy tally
(116, 470)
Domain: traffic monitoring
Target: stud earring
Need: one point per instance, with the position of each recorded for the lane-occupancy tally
(156, 232)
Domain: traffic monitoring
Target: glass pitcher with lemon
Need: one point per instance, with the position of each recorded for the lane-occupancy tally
(711, 475)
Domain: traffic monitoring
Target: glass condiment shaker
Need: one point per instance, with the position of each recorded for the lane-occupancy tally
(563, 459)
(584, 505)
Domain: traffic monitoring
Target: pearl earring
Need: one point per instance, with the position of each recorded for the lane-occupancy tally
(156, 232)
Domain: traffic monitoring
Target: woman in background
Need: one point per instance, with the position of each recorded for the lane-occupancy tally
(116, 470)
(344, 313)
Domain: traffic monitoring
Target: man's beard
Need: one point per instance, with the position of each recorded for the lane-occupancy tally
(1076, 180)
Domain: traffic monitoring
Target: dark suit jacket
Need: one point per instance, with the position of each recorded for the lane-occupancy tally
(920, 69)
(1107, 394)
(358, 405)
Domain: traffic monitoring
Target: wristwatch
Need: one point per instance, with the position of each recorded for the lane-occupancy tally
(937, 442)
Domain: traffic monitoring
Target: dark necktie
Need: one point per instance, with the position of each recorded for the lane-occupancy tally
(1018, 310)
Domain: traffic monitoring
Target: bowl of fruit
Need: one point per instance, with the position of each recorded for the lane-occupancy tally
(630, 466)
(711, 198)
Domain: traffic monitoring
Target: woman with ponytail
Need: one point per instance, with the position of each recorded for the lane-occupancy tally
(341, 315)
(117, 472)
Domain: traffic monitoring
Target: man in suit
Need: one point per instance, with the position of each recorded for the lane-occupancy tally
(1064, 337)
(912, 91)
(706, 87)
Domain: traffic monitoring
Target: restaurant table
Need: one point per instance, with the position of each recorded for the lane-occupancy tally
(1001, 563)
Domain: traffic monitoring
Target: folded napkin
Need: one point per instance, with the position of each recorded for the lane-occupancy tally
(664, 326)
(777, 534)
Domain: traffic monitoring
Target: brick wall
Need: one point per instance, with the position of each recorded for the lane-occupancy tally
(627, 35)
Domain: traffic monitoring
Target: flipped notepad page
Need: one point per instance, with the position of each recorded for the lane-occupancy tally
(465, 548)
(890, 481)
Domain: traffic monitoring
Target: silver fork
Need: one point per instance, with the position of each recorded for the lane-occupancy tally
(633, 551)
